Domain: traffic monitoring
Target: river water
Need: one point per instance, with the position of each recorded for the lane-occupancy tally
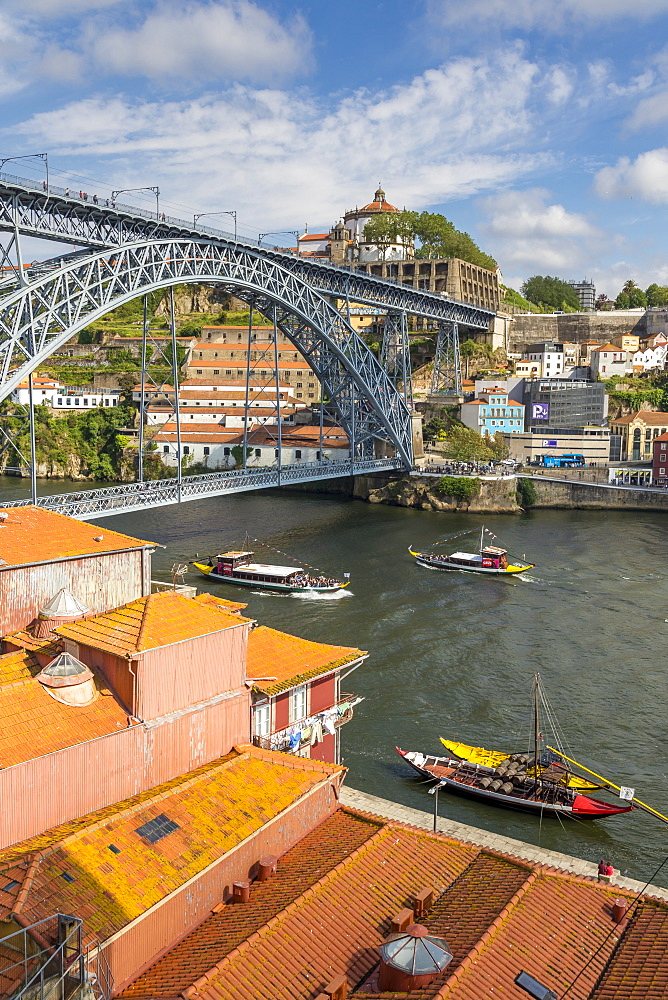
(454, 654)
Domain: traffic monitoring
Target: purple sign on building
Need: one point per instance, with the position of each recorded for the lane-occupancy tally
(540, 411)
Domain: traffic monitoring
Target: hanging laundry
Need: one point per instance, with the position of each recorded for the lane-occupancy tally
(316, 732)
(328, 721)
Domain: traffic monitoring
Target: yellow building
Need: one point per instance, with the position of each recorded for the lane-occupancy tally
(626, 341)
(637, 431)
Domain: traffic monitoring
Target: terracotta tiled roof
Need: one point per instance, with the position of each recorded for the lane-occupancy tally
(336, 926)
(33, 723)
(32, 535)
(499, 915)
(649, 417)
(219, 602)
(18, 665)
(149, 623)
(291, 660)
(607, 348)
(638, 970)
(300, 868)
(201, 817)
(660, 437)
(24, 640)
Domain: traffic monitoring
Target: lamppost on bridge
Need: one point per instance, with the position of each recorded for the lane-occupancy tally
(155, 190)
(28, 156)
(200, 215)
(281, 232)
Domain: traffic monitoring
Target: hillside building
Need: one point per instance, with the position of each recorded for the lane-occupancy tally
(586, 293)
(637, 432)
(493, 412)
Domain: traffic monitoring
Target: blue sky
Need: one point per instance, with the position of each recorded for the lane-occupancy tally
(537, 125)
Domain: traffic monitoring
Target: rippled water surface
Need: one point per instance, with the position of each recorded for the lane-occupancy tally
(454, 654)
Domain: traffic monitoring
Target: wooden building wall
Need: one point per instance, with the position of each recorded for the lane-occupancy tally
(172, 677)
(68, 783)
(101, 581)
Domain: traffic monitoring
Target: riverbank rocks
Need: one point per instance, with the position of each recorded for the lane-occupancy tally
(496, 496)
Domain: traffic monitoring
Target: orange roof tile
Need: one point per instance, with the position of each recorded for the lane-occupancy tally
(498, 914)
(219, 602)
(18, 665)
(24, 640)
(33, 723)
(208, 813)
(291, 660)
(149, 623)
(33, 535)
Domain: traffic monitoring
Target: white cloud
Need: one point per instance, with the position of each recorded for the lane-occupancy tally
(280, 159)
(530, 235)
(169, 41)
(553, 16)
(650, 112)
(214, 40)
(646, 177)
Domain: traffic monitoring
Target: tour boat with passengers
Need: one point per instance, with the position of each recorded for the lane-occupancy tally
(237, 567)
(489, 558)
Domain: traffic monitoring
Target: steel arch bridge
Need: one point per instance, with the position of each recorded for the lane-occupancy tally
(129, 254)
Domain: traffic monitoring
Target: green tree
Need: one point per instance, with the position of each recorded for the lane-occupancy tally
(527, 495)
(498, 446)
(237, 453)
(466, 445)
(432, 428)
(637, 299)
(545, 290)
(657, 295)
(622, 301)
(461, 488)
(629, 286)
(434, 235)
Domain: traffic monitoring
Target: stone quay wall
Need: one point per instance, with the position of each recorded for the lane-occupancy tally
(574, 328)
(586, 496)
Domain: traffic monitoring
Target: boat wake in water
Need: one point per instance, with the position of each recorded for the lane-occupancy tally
(313, 595)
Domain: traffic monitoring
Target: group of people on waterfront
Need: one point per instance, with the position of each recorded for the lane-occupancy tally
(468, 469)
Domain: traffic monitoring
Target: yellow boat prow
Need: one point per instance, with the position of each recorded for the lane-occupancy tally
(202, 567)
(492, 758)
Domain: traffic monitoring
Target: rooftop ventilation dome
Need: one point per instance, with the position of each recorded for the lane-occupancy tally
(411, 959)
(69, 681)
(63, 607)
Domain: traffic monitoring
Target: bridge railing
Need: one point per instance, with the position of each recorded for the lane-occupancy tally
(122, 496)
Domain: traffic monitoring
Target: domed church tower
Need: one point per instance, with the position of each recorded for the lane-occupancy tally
(356, 219)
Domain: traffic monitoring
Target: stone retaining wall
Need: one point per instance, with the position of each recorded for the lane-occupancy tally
(588, 497)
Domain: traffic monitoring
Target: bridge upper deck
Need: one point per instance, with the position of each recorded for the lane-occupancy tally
(57, 215)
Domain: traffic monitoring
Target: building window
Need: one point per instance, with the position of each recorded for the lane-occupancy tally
(85, 402)
(275, 452)
(228, 371)
(186, 450)
(300, 395)
(216, 371)
(262, 720)
(299, 385)
(258, 452)
(199, 371)
(298, 454)
(165, 449)
(226, 451)
(298, 698)
(69, 401)
(206, 447)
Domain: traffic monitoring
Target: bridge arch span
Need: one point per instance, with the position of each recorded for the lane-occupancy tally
(41, 316)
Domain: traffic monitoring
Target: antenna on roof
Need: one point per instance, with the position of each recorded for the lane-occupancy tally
(178, 570)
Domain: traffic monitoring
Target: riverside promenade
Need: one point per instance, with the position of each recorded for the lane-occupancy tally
(483, 838)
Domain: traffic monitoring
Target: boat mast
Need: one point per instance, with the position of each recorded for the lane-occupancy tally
(482, 539)
(535, 727)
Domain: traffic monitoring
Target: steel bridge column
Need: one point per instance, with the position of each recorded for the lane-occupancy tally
(278, 398)
(142, 402)
(33, 454)
(248, 368)
(175, 376)
(447, 374)
(395, 353)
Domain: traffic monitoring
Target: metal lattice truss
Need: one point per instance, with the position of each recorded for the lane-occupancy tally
(37, 319)
(127, 497)
(447, 374)
(395, 354)
(54, 215)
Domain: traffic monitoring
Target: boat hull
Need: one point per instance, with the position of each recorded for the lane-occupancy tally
(457, 778)
(262, 585)
(490, 571)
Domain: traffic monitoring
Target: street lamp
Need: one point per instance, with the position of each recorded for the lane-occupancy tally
(201, 215)
(434, 790)
(28, 156)
(155, 190)
(281, 232)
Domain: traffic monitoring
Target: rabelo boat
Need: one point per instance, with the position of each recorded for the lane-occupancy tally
(490, 559)
(238, 567)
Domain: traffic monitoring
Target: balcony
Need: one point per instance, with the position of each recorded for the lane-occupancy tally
(285, 740)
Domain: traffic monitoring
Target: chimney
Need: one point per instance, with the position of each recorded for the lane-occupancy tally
(240, 892)
(336, 990)
(619, 910)
(266, 867)
(423, 903)
(412, 959)
(403, 919)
